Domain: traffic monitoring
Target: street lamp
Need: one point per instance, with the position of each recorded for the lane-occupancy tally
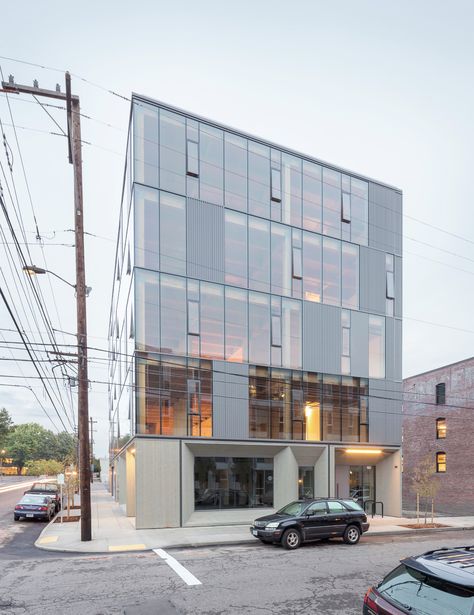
(34, 270)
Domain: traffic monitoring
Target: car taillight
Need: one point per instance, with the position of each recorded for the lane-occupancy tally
(43, 508)
(369, 600)
(18, 507)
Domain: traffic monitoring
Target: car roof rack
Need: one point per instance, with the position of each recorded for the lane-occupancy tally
(452, 564)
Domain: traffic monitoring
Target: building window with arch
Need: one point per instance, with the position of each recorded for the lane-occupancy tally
(440, 428)
(441, 462)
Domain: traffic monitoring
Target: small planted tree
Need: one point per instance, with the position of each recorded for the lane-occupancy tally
(425, 486)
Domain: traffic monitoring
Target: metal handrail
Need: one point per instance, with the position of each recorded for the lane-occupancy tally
(373, 504)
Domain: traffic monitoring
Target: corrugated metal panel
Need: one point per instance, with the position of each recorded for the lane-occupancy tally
(390, 348)
(398, 287)
(398, 344)
(321, 338)
(205, 239)
(385, 412)
(385, 219)
(372, 281)
(230, 405)
(360, 344)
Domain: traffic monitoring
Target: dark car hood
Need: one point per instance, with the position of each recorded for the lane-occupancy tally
(273, 517)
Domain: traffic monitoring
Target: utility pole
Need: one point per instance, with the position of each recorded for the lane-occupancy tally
(92, 430)
(75, 158)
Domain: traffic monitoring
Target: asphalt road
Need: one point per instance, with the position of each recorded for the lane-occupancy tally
(321, 578)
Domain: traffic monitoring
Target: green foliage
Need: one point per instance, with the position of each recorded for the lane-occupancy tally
(96, 463)
(50, 467)
(6, 424)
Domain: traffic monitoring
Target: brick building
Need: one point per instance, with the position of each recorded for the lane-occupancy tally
(438, 421)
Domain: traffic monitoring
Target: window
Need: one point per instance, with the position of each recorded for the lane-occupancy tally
(211, 164)
(441, 393)
(336, 507)
(276, 330)
(346, 342)
(331, 203)
(281, 269)
(359, 211)
(147, 302)
(346, 207)
(192, 158)
(291, 190)
(390, 286)
(312, 267)
(276, 185)
(212, 321)
(173, 315)
(376, 346)
(441, 462)
(172, 152)
(331, 271)
(145, 144)
(236, 325)
(350, 275)
(259, 328)
(193, 318)
(172, 233)
(440, 429)
(316, 509)
(259, 254)
(291, 333)
(312, 197)
(297, 265)
(235, 248)
(306, 486)
(147, 229)
(259, 179)
(235, 161)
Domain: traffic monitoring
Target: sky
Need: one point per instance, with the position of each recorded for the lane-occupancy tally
(383, 89)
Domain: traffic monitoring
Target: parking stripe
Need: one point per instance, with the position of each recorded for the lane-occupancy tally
(180, 570)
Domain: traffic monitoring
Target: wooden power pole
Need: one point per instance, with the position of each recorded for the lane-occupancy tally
(75, 158)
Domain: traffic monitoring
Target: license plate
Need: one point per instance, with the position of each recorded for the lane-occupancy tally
(30, 515)
(254, 532)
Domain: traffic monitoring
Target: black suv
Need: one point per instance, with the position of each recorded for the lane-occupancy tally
(439, 582)
(307, 520)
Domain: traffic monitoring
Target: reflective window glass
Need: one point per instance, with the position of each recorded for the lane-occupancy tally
(235, 172)
(235, 248)
(376, 346)
(389, 262)
(211, 167)
(359, 220)
(281, 265)
(312, 197)
(147, 301)
(172, 233)
(145, 143)
(346, 207)
(390, 286)
(276, 330)
(236, 325)
(350, 409)
(192, 167)
(291, 333)
(147, 233)
(331, 210)
(259, 254)
(173, 314)
(212, 321)
(259, 179)
(297, 264)
(259, 402)
(259, 328)
(331, 407)
(276, 185)
(312, 267)
(291, 189)
(331, 271)
(172, 152)
(350, 276)
(193, 318)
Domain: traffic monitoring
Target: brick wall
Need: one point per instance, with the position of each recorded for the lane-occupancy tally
(455, 495)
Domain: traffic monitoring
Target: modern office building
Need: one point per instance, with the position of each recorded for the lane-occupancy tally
(255, 327)
(438, 425)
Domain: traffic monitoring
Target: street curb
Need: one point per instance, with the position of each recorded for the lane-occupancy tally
(246, 541)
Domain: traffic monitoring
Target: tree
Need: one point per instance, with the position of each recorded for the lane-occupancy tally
(425, 485)
(65, 447)
(50, 467)
(96, 463)
(28, 442)
(6, 424)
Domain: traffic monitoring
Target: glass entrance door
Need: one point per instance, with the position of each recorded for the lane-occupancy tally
(362, 483)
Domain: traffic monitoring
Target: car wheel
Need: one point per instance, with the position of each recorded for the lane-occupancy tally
(352, 535)
(291, 539)
(16, 517)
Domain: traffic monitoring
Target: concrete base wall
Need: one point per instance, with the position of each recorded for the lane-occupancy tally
(388, 484)
(131, 498)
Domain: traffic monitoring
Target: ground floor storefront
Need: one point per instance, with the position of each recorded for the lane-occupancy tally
(177, 482)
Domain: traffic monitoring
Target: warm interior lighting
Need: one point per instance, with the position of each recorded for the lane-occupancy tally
(309, 296)
(132, 451)
(364, 451)
(313, 421)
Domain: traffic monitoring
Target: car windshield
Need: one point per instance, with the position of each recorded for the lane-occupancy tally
(352, 505)
(425, 595)
(294, 509)
(33, 499)
(46, 487)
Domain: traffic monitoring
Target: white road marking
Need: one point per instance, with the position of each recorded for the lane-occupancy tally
(16, 486)
(180, 570)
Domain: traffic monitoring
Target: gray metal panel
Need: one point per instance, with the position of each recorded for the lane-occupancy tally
(372, 281)
(359, 344)
(385, 412)
(397, 351)
(385, 219)
(398, 286)
(205, 239)
(321, 338)
(390, 348)
(230, 405)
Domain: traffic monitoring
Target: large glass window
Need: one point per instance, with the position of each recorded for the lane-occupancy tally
(259, 179)
(147, 301)
(281, 402)
(312, 384)
(236, 325)
(259, 328)
(350, 409)
(211, 169)
(312, 197)
(376, 346)
(359, 211)
(291, 193)
(440, 429)
(331, 408)
(350, 276)
(212, 321)
(291, 333)
(312, 267)
(172, 233)
(173, 314)
(331, 271)
(235, 248)
(235, 172)
(145, 144)
(306, 485)
(331, 203)
(259, 254)
(147, 229)
(259, 402)
(232, 482)
(281, 265)
(172, 152)
(441, 462)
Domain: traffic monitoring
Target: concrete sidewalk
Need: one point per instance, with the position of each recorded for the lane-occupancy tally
(112, 531)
